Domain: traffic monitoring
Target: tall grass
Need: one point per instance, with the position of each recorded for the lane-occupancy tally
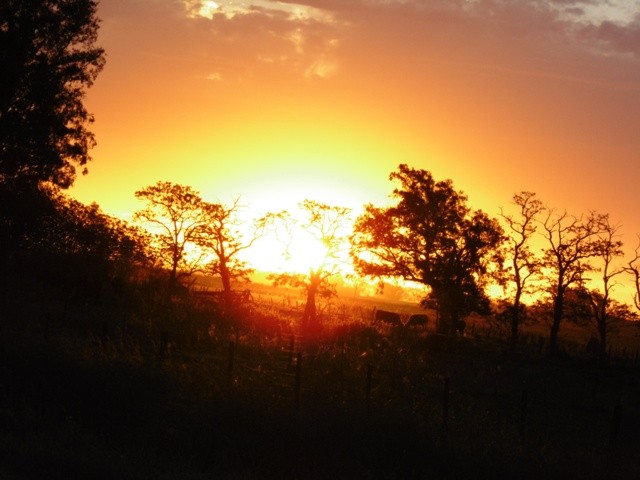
(100, 396)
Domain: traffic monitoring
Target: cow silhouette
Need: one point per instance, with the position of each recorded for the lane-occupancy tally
(385, 316)
(418, 320)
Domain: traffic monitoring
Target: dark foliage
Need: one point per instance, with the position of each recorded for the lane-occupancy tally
(432, 237)
(52, 242)
(49, 58)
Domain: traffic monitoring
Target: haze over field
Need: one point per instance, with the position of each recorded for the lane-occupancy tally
(279, 100)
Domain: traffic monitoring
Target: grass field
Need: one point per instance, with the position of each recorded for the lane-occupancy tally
(160, 389)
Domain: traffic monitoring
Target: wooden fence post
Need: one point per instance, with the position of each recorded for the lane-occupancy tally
(164, 343)
(445, 400)
(616, 422)
(298, 379)
(367, 386)
(105, 333)
(523, 412)
(232, 352)
(291, 349)
(46, 327)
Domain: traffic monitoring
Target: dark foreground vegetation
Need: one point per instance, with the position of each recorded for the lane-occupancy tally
(132, 382)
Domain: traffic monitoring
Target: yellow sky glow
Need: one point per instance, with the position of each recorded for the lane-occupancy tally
(276, 102)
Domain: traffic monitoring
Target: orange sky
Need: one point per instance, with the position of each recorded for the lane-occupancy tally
(278, 101)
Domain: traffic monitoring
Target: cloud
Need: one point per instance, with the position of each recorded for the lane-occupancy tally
(321, 68)
(252, 36)
(304, 39)
(612, 37)
(215, 76)
(608, 23)
(201, 8)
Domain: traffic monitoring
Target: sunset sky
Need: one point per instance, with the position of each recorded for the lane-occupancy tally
(278, 101)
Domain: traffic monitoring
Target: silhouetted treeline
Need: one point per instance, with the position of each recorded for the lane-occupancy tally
(51, 240)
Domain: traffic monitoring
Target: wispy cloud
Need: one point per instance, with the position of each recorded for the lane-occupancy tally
(293, 37)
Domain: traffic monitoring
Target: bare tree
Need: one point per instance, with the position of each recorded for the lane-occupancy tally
(524, 264)
(330, 226)
(572, 242)
(633, 267)
(608, 248)
(176, 215)
(222, 234)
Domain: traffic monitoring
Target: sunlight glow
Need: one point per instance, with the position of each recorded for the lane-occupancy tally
(495, 291)
(293, 243)
(306, 253)
(300, 254)
(206, 9)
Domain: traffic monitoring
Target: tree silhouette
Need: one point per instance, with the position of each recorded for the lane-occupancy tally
(329, 226)
(433, 238)
(609, 248)
(520, 228)
(177, 216)
(49, 58)
(572, 242)
(86, 229)
(70, 248)
(222, 235)
(633, 268)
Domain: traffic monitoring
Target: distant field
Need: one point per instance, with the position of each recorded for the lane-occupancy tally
(348, 307)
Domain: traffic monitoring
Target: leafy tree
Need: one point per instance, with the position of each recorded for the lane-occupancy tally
(55, 223)
(520, 229)
(432, 237)
(86, 229)
(49, 59)
(577, 307)
(175, 213)
(329, 226)
(23, 214)
(572, 242)
(221, 233)
(72, 249)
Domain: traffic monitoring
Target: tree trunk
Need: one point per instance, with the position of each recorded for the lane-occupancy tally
(173, 275)
(444, 321)
(225, 276)
(602, 330)
(515, 320)
(558, 310)
(309, 324)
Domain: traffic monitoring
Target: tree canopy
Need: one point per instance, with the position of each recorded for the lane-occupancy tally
(222, 235)
(49, 59)
(523, 262)
(329, 226)
(176, 215)
(432, 237)
(572, 242)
